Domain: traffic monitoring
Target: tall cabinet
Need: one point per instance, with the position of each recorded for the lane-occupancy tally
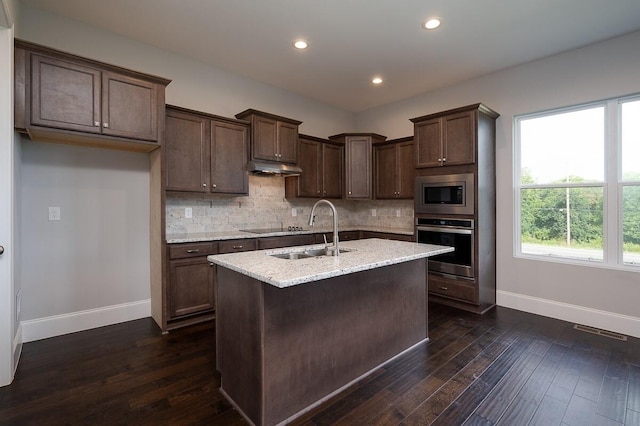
(453, 142)
(358, 163)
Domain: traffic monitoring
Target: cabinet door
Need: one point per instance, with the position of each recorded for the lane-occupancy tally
(459, 139)
(191, 285)
(186, 155)
(264, 143)
(287, 142)
(428, 143)
(332, 170)
(386, 157)
(310, 181)
(65, 95)
(129, 107)
(229, 152)
(285, 241)
(406, 171)
(358, 167)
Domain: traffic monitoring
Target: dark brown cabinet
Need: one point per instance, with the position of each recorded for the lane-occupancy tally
(463, 141)
(394, 169)
(236, 246)
(285, 241)
(205, 153)
(445, 139)
(322, 170)
(358, 163)
(190, 284)
(386, 236)
(273, 138)
(62, 97)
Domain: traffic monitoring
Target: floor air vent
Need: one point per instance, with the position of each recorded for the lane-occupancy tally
(600, 332)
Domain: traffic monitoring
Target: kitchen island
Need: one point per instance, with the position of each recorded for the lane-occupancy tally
(292, 332)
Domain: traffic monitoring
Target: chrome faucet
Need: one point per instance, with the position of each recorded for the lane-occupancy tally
(336, 251)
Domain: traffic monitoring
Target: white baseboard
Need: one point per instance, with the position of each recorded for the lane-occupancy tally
(17, 347)
(57, 325)
(572, 313)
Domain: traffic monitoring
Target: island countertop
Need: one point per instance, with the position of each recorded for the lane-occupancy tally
(362, 255)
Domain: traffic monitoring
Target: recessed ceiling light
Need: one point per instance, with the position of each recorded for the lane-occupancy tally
(376, 80)
(431, 24)
(300, 44)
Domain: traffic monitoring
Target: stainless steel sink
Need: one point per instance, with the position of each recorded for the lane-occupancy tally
(307, 253)
(324, 252)
(298, 255)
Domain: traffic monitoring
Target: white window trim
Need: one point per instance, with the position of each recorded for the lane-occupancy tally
(612, 187)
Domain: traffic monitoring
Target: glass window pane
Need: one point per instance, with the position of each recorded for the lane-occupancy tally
(631, 141)
(564, 147)
(563, 222)
(631, 224)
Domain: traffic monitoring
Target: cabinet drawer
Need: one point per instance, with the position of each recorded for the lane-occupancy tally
(285, 241)
(182, 250)
(232, 246)
(453, 288)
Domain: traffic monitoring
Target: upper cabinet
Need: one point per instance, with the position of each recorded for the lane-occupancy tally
(394, 170)
(205, 153)
(358, 163)
(448, 138)
(65, 98)
(273, 138)
(322, 170)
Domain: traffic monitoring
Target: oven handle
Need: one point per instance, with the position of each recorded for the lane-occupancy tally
(445, 230)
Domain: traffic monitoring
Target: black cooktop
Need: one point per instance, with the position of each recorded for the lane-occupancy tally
(270, 230)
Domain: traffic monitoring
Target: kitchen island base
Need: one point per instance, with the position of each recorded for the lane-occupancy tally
(281, 351)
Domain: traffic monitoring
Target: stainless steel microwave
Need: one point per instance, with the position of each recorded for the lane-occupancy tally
(445, 194)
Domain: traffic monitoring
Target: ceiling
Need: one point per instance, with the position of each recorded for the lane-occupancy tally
(351, 41)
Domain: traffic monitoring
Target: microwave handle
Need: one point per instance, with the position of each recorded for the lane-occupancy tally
(447, 230)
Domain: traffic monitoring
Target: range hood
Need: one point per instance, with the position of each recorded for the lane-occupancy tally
(264, 168)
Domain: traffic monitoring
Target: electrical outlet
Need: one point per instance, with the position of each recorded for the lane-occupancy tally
(54, 213)
(373, 212)
(188, 212)
(398, 213)
(294, 212)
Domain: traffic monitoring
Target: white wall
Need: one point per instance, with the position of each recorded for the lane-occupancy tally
(600, 297)
(10, 342)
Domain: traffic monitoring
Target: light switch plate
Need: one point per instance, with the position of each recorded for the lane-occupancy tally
(294, 212)
(54, 213)
(188, 212)
(398, 213)
(373, 212)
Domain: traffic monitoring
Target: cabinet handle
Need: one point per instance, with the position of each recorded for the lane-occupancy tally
(96, 123)
(105, 125)
(214, 186)
(191, 251)
(349, 192)
(236, 247)
(444, 159)
(204, 185)
(443, 288)
(439, 159)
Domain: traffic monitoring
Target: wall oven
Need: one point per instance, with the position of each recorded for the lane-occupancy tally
(445, 194)
(458, 233)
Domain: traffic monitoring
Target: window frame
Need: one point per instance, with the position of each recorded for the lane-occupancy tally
(612, 186)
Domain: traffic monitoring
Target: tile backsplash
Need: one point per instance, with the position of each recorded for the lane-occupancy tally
(266, 207)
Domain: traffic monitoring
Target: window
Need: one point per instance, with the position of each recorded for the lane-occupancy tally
(578, 183)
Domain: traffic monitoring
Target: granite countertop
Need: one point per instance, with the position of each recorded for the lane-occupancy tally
(363, 255)
(233, 235)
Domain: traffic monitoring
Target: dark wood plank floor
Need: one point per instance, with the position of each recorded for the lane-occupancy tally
(503, 368)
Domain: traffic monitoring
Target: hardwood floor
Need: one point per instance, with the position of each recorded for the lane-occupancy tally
(503, 368)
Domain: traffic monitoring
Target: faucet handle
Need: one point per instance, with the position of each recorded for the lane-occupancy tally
(325, 239)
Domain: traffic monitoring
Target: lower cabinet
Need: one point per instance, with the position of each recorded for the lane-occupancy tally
(285, 241)
(190, 283)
